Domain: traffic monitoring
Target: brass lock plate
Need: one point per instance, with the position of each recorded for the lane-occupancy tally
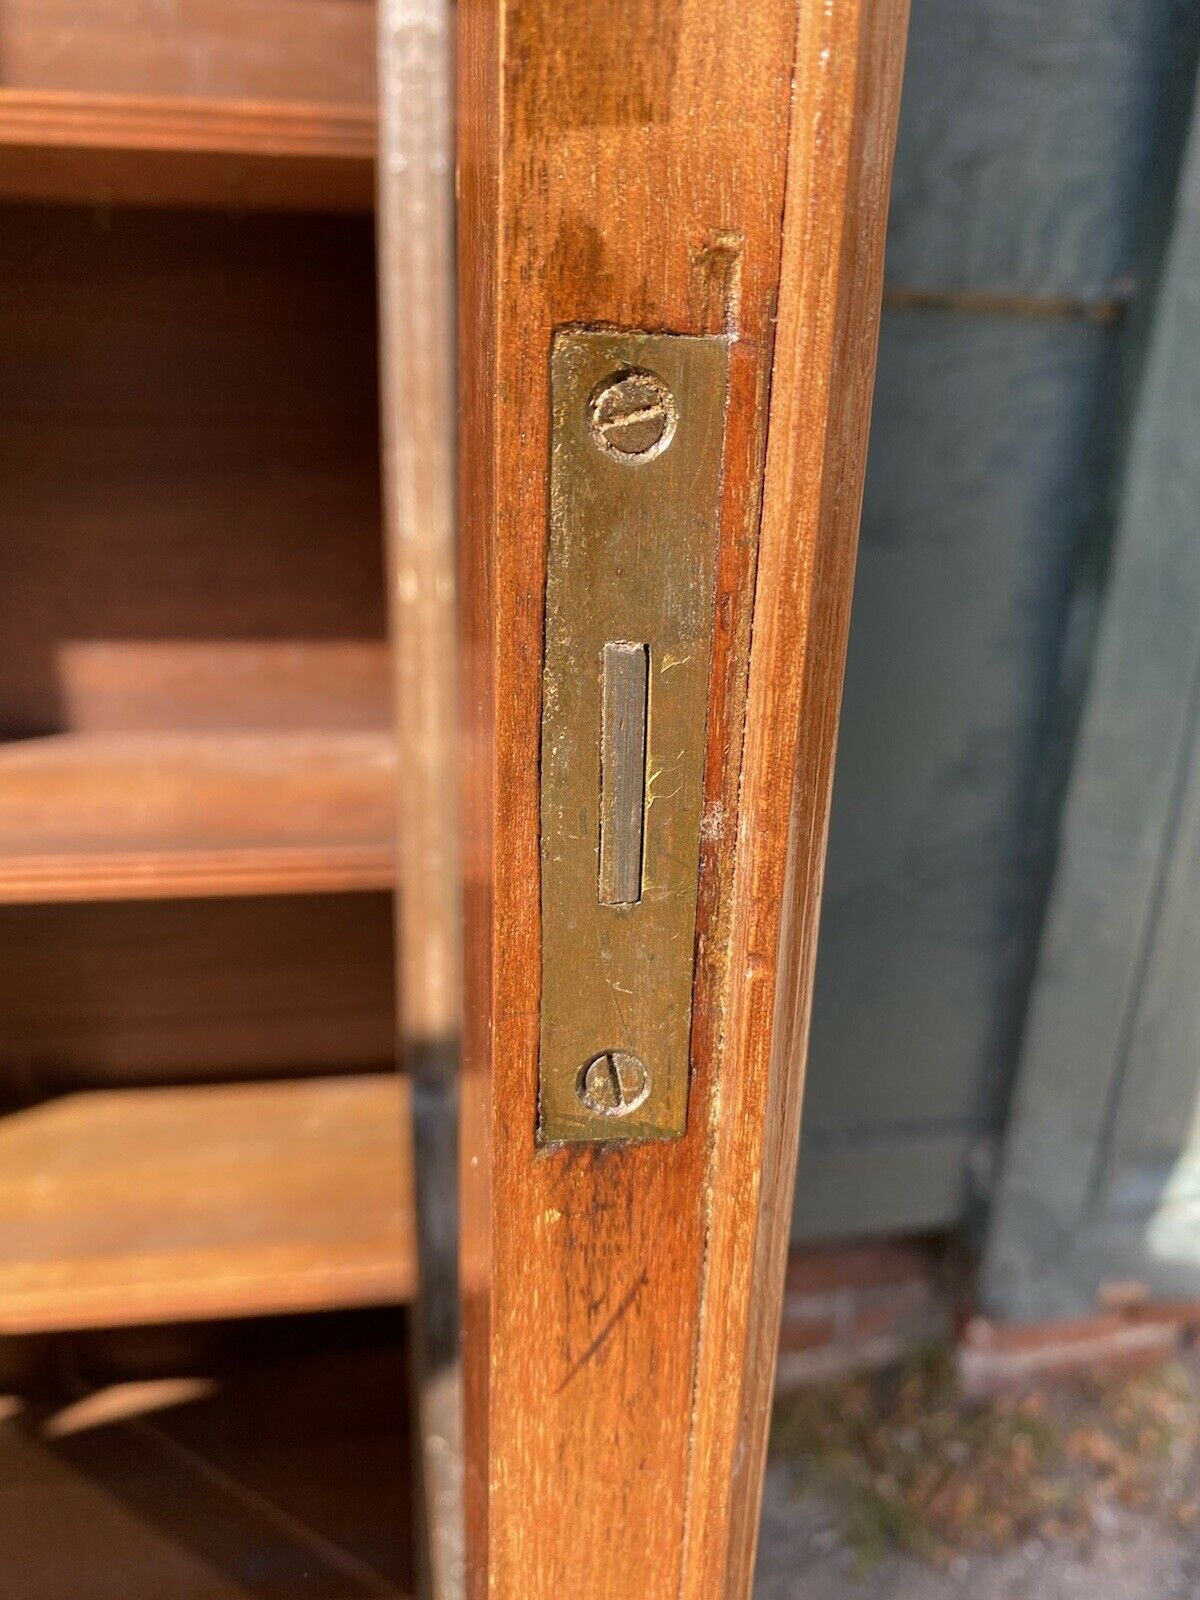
(637, 435)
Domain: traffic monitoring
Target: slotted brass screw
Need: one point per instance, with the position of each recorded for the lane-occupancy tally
(632, 415)
(613, 1083)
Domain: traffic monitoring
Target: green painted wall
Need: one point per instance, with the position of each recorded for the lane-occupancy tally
(1032, 140)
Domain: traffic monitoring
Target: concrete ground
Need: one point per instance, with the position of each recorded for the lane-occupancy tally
(803, 1556)
(897, 1487)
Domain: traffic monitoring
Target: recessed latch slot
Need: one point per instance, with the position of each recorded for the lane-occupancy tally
(623, 772)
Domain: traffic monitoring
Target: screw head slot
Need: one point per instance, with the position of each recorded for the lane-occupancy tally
(613, 1083)
(632, 415)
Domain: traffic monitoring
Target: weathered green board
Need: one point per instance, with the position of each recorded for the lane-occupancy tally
(1031, 138)
(1100, 1186)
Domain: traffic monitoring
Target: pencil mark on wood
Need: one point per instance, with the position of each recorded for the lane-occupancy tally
(603, 1336)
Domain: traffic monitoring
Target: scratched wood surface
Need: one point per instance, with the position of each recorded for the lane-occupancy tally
(626, 164)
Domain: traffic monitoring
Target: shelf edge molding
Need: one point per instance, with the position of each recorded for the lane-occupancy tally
(87, 817)
(68, 146)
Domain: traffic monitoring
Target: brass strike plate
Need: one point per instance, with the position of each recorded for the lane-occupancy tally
(637, 434)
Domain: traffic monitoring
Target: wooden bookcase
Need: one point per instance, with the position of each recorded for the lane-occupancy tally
(199, 1114)
(197, 769)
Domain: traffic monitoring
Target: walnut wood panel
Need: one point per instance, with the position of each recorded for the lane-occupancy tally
(626, 165)
(150, 150)
(154, 1205)
(183, 991)
(144, 815)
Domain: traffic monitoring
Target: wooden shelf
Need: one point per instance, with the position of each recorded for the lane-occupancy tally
(133, 149)
(137, 1206)
(120, 816)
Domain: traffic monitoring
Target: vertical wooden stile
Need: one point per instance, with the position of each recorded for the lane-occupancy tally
(683, 167)
(416, 284)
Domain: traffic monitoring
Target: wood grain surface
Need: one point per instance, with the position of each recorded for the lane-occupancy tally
(195, 673)
(152, 1205)
(843, 131)
(417, 345)
(625, 165)
(185, 991)
(315, 51)
(110, 149)
(189, 461)
(266, 104)
(145, 815)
